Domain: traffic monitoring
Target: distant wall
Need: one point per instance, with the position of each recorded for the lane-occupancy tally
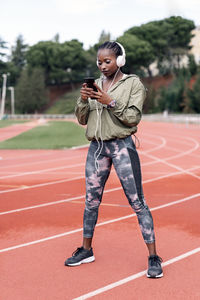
(157, 81)
(56, 91)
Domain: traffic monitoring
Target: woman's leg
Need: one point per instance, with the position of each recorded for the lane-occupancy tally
(95, 182)
(135, 162)
(127, 165)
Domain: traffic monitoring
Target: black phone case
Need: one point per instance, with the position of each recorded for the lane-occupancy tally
(90, 81)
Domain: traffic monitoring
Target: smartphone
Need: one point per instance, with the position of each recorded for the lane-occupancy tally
(90, 81)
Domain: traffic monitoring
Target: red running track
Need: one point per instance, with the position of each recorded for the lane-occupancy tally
(42, 202)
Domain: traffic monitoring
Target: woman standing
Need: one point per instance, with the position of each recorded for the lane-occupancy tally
(111, 120)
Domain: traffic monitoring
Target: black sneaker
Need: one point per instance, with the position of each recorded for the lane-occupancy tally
(154, 267)
(80, 256)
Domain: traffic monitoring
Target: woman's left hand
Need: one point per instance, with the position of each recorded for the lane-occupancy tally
(101, 96)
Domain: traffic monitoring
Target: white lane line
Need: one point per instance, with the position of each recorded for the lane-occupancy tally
(196, 146)
(170, 175)
(75, 178)
(34, 172)
(135, 276)
(69, 158)
(143, 152)
(80, 147)
(166, 147)
(181, 153)
(28, 155)
(52, 203)
(98, 225)
(83, 196)
(163, 144)
(171, 165)
(42, 184)
(41, 161)
(156, 160)
(42, 205)
(180, 140)
(43, 171)
(64, 172)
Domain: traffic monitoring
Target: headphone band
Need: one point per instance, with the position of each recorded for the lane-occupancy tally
(122, 48)
(121, 59)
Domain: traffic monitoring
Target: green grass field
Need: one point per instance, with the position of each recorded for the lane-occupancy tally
(54, 135)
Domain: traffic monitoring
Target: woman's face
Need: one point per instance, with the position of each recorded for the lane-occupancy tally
(106, 59)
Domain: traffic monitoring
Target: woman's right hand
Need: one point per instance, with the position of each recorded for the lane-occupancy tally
(85, 92)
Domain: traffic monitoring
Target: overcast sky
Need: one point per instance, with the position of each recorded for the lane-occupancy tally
(84, 20)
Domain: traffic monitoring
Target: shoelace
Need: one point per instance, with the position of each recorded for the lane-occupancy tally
(76, 252)
(155, 260)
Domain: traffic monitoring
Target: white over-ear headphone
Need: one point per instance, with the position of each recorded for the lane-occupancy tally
(121, 59)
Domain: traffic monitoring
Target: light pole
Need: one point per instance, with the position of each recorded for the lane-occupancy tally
(11, 88)
(3, 95)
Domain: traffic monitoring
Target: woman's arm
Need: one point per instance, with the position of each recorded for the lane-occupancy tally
(131, 114)
(82, 110)
(128, 111)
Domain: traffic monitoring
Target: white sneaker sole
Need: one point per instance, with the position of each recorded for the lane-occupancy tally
(84, 261)
(157, 276)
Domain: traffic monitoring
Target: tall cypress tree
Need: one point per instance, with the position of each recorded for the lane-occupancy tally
(194, 96)
(31, 96)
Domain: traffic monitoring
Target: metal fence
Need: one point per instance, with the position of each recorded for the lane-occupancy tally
(37, 116)
(186, 119)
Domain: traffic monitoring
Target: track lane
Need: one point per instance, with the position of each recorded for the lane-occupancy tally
(50, 253)
(179, 287)
(114, 260)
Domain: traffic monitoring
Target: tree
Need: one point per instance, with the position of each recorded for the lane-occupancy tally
(179, 39)
(31, 94)
(172, 97)
(56, 38)
(91, 55)
(74, 61)
(2, 47)
(151, 32)
(17, 59)
(62, 62)
(3, 66)
(193, 67)
(194, 96)
(18, 54)
(139, 53)
(104, 37)
(91, 58)
(169, 38)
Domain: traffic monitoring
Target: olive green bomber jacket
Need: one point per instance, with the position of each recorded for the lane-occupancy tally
(119, 121)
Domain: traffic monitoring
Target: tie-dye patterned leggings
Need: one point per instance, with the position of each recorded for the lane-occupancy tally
(123, 155)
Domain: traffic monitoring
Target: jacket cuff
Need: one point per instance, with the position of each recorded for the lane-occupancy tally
(84, 101)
